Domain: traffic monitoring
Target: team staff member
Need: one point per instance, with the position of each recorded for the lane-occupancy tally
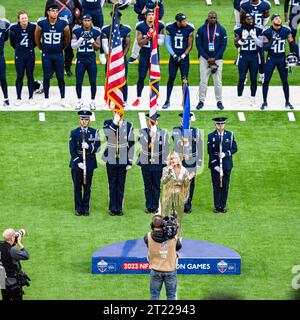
(221, 146)
(125, 39)
(4, 35)
(10, 258)
(144, 36)
(292, 18)
(118, 157)
(22, 40)
(55, 35)
(82, 138)
(192, 160)
(155, 145)
(163, 259)
(211, 41)
(179, 43)
(86, 39)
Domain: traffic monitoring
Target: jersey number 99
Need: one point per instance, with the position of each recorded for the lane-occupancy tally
(52, 38)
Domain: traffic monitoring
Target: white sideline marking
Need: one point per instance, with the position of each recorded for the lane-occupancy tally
(143, 121)
(42, 116)
(277, 2)
(291, 116)
(241, 116)
(208, 2)
(93, 117)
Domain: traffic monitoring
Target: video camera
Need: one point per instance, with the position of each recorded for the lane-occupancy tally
(168, 224)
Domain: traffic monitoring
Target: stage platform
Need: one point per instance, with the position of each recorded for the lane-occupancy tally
(195, 257)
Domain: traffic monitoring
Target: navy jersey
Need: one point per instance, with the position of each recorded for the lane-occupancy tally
(257, 11)
(278, 47)
(149, 4)
(294, 6)
(124, 32)
(52, 35)
(91, 4)
(179, 36)
(143, 28)
(22, 40)
(236, 4)
(249, 46)
(4, 32)
(86, 52)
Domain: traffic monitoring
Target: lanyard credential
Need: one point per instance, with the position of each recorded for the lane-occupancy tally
(211, 44)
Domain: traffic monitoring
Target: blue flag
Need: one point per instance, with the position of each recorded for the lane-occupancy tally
(186, 120)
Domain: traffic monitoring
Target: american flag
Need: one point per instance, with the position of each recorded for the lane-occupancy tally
(186, 120)
(115, 74)
(154, 68)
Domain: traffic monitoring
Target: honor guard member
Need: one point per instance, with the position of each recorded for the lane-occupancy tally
(211, 42)
(155, 145)
(22, 40)
(260, 10)
(293, 18)
(118, 157)
(55, 35)
(140, 7)
(145, 30)
(4, 34)
(193, 159)
(66, 10)
(86, 39)
(125, 39)
(94, 9)
(84, 143)
(221, 145)
(179, 43)
(248, 39)
(274, 38)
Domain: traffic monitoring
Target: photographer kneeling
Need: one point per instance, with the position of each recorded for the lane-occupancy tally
(9, 257)
(162, 245)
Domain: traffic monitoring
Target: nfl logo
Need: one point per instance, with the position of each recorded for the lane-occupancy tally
(222, 266)
(102, 266)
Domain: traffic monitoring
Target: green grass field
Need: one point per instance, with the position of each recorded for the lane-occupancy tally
(262, 223)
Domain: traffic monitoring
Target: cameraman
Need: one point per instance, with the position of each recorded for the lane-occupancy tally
(162, 245)
(211, 42)
(10, 256)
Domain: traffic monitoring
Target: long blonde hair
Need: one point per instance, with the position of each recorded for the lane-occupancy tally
(173, 154)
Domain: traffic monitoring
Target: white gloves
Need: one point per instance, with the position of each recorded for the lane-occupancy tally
(80, 165)
(222, 155)
(253, 33)
(217, 168)
(84, 145)
(128, 167)
(182, 56)
(154, 128)
(91, 41)
(116, 119)
(245, 34)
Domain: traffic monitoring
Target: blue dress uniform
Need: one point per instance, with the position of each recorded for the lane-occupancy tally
(125, 31)
(82, 201)
(149, 4)
(22, 40)
(86, 59)
(52, 52)
(276, 58)
(294, 18)
(118, 157)
(195, 156)
(248, 58)
(93, 7)
(152, 159)
(4, 34)
(145, 54)
(229, 147)
(179, 42)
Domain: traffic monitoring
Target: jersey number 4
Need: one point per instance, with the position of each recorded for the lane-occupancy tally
(24, 41)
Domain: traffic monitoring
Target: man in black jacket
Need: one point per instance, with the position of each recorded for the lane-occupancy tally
(9, 257)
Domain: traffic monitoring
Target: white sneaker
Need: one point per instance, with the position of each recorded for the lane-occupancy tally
(78, 105)
(31, 101)
(46, 104)
(239, 101)
(102, 58)
(253, 102)
(261, 77)
(18, 102)
(63, 103)
(92, 105)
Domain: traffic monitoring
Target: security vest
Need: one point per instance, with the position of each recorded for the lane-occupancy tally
(162, 256)
(7, 261)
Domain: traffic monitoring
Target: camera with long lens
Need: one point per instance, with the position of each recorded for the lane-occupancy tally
(21, 233)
